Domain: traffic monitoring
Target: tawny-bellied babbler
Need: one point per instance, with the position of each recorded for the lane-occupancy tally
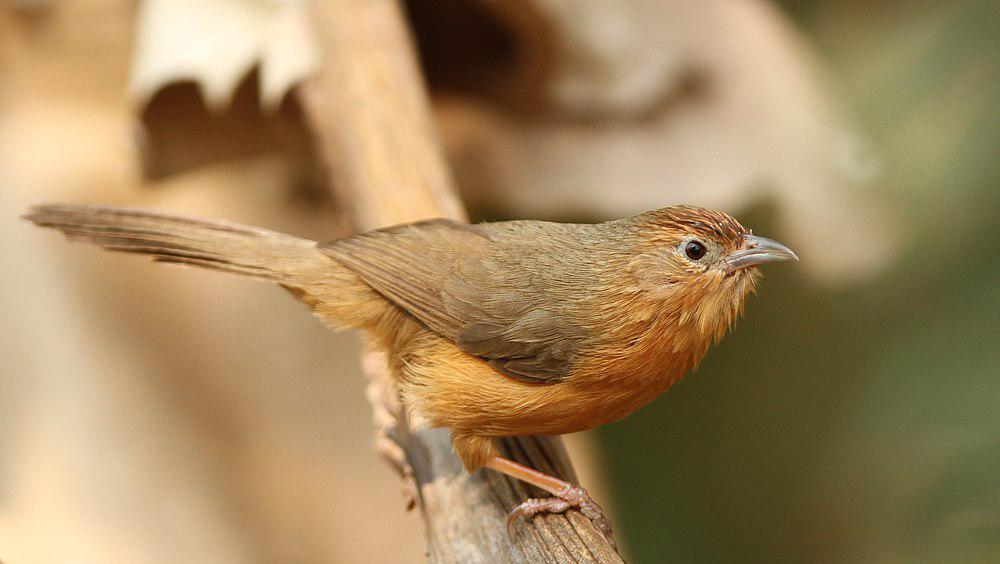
(496, 329)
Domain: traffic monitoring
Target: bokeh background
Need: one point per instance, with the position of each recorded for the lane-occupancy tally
(153, 414)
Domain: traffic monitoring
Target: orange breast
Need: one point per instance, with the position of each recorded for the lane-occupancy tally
(453, 389)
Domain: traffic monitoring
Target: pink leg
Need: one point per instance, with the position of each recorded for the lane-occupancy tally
(566, 495)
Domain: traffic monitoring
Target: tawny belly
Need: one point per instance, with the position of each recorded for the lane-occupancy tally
(498, 405)
(452, 389)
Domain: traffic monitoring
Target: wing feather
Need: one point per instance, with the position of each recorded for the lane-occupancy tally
(473, 286)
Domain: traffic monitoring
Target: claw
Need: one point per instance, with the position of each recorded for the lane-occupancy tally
(532, 507)
(571, 497)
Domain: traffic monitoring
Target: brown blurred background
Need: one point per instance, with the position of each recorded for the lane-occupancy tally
(151, 414)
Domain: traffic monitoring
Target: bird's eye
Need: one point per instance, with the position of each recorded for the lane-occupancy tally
(694, 250)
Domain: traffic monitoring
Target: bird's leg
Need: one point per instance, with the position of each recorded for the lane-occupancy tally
(566, 495)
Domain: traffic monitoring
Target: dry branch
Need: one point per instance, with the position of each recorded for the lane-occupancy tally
(369, 112)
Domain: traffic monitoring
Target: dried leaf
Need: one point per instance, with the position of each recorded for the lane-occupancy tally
(215, 43)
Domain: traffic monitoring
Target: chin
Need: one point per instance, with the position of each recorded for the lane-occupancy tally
(724, 305)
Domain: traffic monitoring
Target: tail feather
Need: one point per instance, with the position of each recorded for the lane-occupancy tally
(218, 245)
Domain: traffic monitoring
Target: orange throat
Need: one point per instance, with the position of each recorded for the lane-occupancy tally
(667, 336)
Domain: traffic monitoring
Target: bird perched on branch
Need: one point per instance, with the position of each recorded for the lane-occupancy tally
(495, 329)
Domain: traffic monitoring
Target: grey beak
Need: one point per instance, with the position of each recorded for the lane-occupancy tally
(757, 251)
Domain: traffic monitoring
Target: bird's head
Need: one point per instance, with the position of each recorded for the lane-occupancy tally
(699, 265)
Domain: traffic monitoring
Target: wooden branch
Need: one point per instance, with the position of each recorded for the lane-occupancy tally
(369, 112)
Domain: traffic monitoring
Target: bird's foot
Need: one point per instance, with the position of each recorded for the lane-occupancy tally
(570, 497)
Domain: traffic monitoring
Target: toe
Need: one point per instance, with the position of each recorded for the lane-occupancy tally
(571, 497)
(532, 507)
(579, 498)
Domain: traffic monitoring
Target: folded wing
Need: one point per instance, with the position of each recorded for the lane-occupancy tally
(477, 286)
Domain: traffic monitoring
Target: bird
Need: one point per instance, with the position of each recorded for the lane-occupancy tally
(492, 329)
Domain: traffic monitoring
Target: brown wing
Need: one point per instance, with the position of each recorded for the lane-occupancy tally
(474, 285)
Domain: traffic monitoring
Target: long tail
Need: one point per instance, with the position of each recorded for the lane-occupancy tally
(292, 262)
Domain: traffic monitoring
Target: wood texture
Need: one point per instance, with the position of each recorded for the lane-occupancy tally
(369, 112)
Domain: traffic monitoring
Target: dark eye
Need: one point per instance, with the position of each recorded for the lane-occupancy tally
(694, 250)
